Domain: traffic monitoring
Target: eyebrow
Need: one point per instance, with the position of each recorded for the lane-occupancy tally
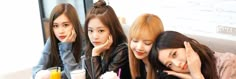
(147, 40)
(96, 27)
(62, 22)
(66, 22)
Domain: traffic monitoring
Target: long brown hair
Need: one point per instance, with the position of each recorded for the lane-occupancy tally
(70, 12)
(172, 39)
(107, 16)
(146, 23)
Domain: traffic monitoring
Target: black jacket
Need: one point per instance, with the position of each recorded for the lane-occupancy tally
(96, 66)
(143, 72)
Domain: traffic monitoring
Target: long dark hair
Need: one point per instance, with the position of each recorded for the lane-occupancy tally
(172, 39)
(107, 16)
(70, 12)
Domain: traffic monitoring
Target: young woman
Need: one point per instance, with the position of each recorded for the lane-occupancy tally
(185, 58)
(142, 35)
(107, 48)
(63, 48)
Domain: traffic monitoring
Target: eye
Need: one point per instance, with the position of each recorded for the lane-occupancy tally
(90, 30)
(148, 43)
(135, 41)
(65, 25)
(169, 65)
(55, 26)
(174, 55)
(100, 30)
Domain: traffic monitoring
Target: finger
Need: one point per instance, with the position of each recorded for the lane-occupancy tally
(70, 33)
(110, 40)
(68, 36)
(104, 45)
(188, 48)
(107, 44)
(65, 40)
(73, 35)
(187, 52)
(180, 75)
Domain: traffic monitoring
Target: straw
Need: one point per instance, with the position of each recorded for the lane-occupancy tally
(119, 72)
(57, 69)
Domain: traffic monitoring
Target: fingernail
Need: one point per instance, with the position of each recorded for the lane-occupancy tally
(185, 42)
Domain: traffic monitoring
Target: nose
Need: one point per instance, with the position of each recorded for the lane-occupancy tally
(95, 35)
(61, 30)
(176, 62)
(139, 46)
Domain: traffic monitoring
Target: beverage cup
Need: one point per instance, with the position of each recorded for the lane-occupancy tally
(78, 74)
(55, 72)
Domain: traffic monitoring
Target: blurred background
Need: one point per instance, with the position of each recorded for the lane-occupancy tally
(24, 25)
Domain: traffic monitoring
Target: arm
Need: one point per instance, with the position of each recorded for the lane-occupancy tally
(67, 57)
(118, 59)
(93, 67)
(43, 60)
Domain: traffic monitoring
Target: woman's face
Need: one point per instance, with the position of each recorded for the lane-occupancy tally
(175, 59)
(141, 46)
(62, 27)
(98, 33)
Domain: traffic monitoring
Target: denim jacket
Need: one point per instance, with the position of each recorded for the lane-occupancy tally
(68, 60)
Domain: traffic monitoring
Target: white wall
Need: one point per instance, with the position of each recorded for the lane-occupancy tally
(21, 39)
(198, 17)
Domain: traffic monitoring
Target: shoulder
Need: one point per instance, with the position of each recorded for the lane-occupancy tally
(124, 44)
(121, 49)
(47, 45)
(227, 56)
(225, 64)
(121, 46)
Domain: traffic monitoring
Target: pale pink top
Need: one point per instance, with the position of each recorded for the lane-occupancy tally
(226, 65)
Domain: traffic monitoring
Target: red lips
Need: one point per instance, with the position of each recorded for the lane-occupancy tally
(140, 53)
(185, 66)
(96, 43)
(62, 37)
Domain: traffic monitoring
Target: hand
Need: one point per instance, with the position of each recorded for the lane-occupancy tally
(42, 74)
(179, 75)
(70, 38)
(99, 49)
(193, 61)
